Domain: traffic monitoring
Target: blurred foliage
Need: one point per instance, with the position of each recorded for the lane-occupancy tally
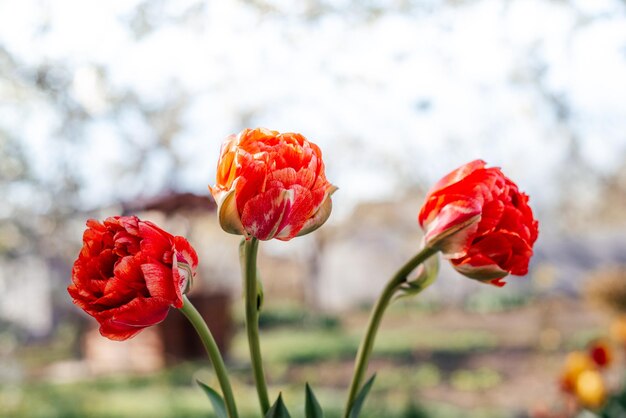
(172, 394)
(101, 400)
(125, 399)
(615, 406)
(290, 346)
(582, 338)
(489, 301)
(63, 344)
(411, 376)
(415, 411)
(475, 380)
(413, 359)
(297, 317)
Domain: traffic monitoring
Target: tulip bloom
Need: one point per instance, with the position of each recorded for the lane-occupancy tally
(271, 185)
(480, 221)
(128, 274)
(590, 389)
(576, 363)
(601, 354)
(581, 376)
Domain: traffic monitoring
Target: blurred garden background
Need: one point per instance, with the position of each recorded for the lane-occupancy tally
(120, 107)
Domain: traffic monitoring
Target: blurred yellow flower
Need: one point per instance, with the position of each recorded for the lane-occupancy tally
(576, 363)
(590, 389)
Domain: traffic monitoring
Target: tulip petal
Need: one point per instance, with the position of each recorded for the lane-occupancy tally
(480, 268)
(227, 170)
(251, 177)
(458, 175)
(155, 242)
(283, 178)
(229, 215)
(491, 216)
(264, 213)
(453, 227)
(300, 210)
(320, 216)
(184, 268)
(159, 281)
(131, 318)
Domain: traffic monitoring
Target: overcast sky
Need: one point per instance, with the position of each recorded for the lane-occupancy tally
(400, 97)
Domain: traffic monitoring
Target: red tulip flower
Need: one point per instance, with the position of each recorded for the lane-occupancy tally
(480, 220)
(271, 185)
(129, 273)
(601, 354)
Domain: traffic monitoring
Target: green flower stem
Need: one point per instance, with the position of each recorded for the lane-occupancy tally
(252, 321)
(213, 351)
(367, 344)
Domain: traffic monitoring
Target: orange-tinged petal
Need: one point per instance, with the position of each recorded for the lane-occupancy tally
(228, 213)
(264, 213)
(227, 170)
(278, 186)
(320, 216)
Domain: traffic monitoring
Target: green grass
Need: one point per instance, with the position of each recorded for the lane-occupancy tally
(475, 380)
(292, 316)
(89, 400)
(579, 340)
(410, 377)
(286, 345)
(172, 393)
(289, 346)
(296, 347)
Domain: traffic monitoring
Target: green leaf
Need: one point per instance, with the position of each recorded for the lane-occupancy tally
(278, 410)
(614, 408)
(355, 410)
(312, 408)
(426, 275)
(216, 400)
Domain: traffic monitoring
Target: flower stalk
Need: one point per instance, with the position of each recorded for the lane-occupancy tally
(367, 344)
(192, 314)
(252, 303)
